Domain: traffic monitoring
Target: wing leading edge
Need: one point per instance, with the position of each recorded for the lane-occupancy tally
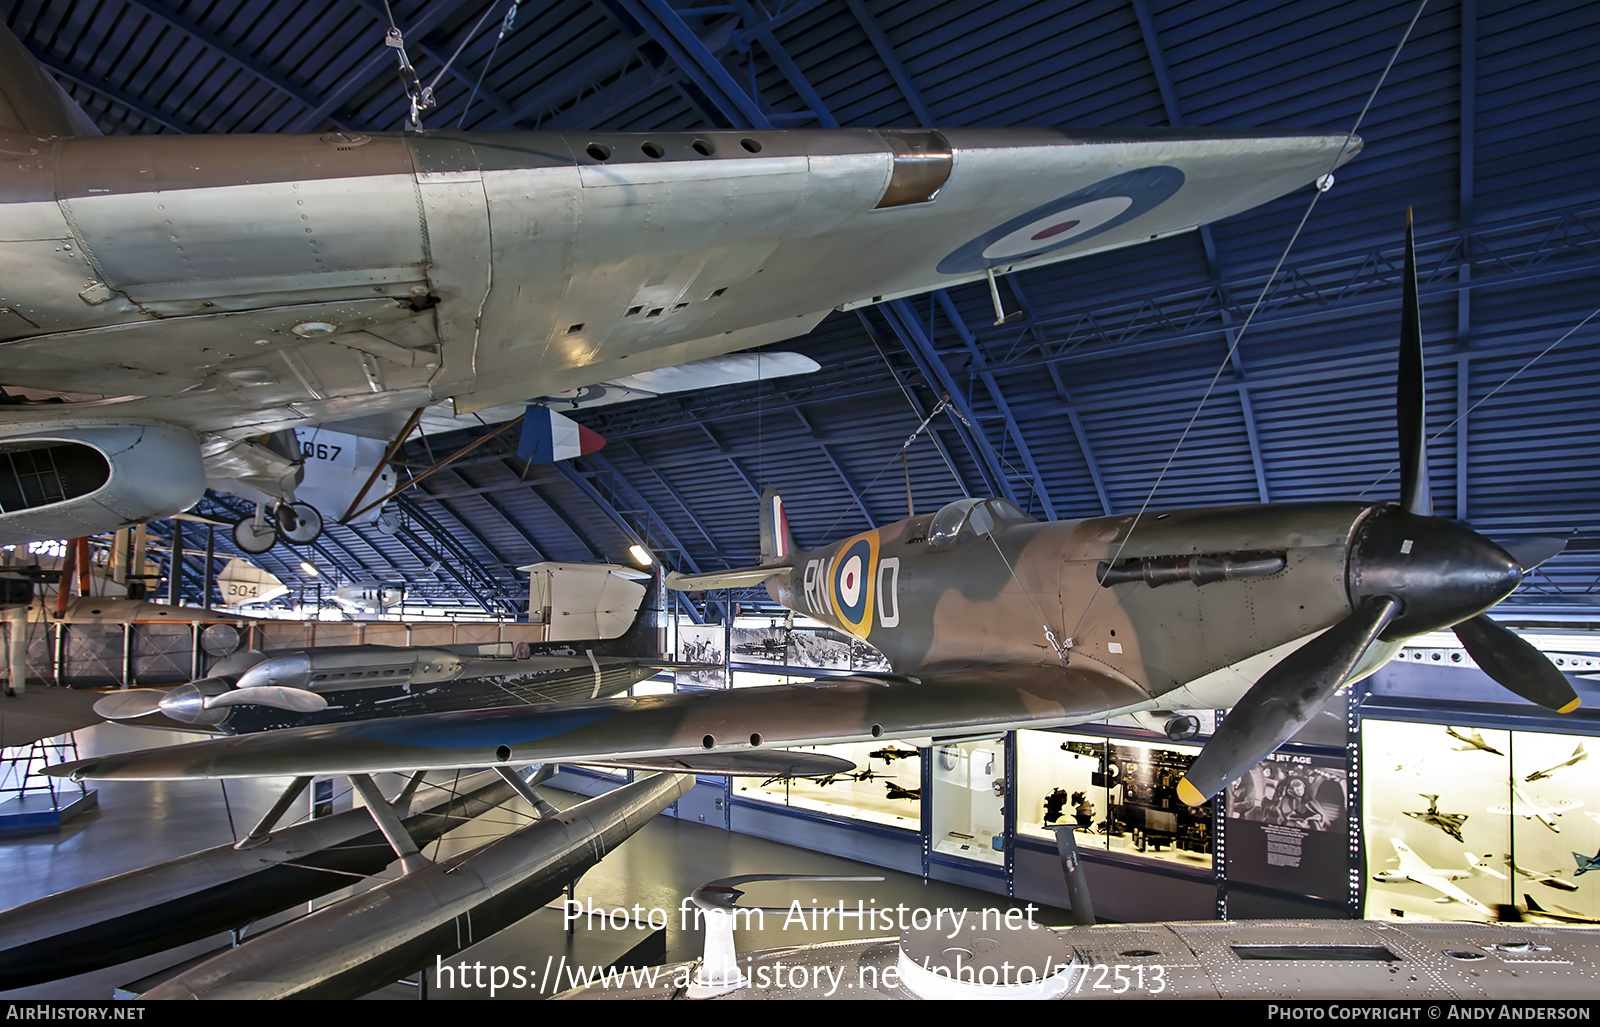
(681, 724)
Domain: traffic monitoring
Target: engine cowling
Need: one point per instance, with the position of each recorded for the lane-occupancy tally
(72, 477)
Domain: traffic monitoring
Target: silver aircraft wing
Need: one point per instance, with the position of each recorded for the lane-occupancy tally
(187, 295)
(683, 724)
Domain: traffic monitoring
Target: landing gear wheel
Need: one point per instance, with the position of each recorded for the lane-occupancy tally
(254, 538)
(298, 523)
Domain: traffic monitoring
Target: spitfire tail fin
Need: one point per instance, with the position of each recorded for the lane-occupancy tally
(777, 545)
(31, 101)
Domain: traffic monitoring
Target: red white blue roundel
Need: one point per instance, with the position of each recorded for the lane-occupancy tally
(852, 583)
(1073, 218)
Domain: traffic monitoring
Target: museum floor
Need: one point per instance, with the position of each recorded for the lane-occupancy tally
(139, 823)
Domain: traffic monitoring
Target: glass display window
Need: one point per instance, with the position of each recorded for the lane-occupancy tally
(756, 679)
(652, 686)
(969, 797)
(1121, 794)
(1552, 803)
(1434, 848)
(885, 788)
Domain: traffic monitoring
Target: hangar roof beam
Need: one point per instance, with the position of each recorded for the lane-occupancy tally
(382, 57)
(903, 319)
(200, 34)
(980, 367)
(886, 54)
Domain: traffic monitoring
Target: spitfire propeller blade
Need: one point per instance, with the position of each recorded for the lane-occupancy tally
(1533, 550)
(1284, 700)
(1518, 666)
(1410, 394)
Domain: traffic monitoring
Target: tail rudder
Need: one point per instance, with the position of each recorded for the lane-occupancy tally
(646, 636)
(777, 544)
(31, 101)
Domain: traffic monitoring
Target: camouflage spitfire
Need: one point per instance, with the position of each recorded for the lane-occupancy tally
(1169, 611)
(992, 621)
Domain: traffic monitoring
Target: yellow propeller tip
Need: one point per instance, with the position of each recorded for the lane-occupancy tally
(1189, 793)
(1568, 708)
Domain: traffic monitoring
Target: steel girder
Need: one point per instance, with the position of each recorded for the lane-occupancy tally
(886, 54)
(111, 93)
(581, 481)
(1520, 252)
(456, 559)
(427, 19)
(904, 323)
(211, 41)
(443, 60)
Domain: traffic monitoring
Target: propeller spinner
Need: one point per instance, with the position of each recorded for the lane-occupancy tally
(1409, 572)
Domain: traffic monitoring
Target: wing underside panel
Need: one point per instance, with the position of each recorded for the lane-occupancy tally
(738, 720)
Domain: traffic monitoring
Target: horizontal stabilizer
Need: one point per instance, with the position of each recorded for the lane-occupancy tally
(756, 763)
(742, 578)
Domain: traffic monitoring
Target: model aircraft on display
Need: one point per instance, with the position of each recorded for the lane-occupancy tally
(1529, 808)
(894, 791)
(1449, 823)
(1553, 914)
(1414, 869)
(1578, 756)
(992, 621)
(1586, 863)
(889, 754)
(1473, 740)
(1549, 880)
(186, 300)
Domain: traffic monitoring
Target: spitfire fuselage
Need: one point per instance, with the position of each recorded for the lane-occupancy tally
(978, 606)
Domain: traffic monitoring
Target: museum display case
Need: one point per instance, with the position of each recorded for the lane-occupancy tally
(1122, 794)
(1461, 821)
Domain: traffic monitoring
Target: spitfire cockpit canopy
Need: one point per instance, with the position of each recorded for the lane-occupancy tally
(971, 518)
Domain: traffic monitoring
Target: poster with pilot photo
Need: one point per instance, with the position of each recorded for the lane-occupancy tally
(703, 644)
(1288, 835)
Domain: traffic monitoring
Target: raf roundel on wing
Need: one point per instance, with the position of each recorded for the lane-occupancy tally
(1109, 203)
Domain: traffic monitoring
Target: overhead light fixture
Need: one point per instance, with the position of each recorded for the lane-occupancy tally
(310, 569)
(641, 554)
